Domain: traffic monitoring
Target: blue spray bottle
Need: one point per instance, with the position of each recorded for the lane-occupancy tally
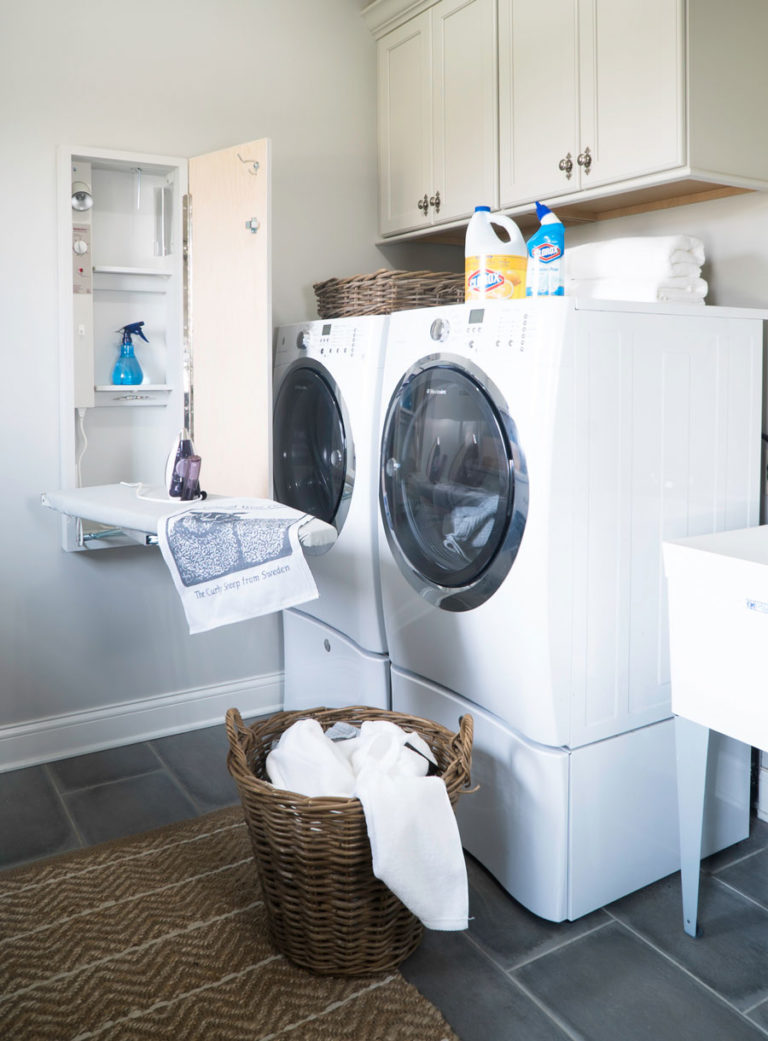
(127, 371)
(546, 247)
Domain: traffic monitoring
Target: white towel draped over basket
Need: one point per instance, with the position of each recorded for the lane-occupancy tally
(415, 843)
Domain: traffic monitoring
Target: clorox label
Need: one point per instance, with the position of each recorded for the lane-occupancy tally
(486, 280)
(494, 277)
(546, 252)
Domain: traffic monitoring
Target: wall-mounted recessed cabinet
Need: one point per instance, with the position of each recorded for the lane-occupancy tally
(129, 225)
(605, 107)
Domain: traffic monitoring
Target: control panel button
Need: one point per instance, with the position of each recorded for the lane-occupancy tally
(439, 330)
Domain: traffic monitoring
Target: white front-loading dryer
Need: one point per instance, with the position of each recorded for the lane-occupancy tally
(327, 392)
(533, 457)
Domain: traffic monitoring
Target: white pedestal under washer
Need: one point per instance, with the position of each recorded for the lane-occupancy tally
(534, 456)
(327, 392)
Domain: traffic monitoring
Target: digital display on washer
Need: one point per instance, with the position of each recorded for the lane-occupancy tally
(326, 330)
(476, 316)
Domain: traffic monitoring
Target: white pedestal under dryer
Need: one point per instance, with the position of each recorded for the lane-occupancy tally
(534, 456)
(327, 392)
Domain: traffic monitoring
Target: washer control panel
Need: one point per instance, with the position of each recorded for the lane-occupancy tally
(322, 340)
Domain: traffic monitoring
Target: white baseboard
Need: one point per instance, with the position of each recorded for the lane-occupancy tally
(76, 733)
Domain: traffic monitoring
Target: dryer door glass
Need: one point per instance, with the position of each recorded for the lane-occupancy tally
(449, 486)
(310, 453)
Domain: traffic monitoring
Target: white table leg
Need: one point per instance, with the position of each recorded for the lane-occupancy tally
(692, 744)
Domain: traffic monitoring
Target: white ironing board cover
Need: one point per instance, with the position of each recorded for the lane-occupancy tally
(121, 506)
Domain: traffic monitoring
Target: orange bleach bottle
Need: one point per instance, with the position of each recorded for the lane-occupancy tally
(493, 269)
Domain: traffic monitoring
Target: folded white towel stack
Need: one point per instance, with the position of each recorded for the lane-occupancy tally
(415, 843)
(660, 267)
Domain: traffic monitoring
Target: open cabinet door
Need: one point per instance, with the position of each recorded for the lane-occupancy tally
(229, 318)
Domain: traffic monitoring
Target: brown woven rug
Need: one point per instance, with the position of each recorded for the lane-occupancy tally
(162, 936)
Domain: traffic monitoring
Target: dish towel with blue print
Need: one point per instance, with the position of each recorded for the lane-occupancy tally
(233, 559)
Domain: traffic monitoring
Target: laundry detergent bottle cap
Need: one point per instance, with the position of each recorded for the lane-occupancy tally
(127, 371)
(493, 269)
(546, 248)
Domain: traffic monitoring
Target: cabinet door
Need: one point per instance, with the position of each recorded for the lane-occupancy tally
(464, 108)
(538, 99)
(405, 125)
(631, 88)
(230, 326)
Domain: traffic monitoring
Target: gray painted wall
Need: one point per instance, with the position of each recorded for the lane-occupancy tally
(175, 77)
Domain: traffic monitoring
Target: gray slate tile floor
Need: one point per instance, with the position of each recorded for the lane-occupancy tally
(626, 972)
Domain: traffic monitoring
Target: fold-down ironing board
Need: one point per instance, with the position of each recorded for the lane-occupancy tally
(123, 510)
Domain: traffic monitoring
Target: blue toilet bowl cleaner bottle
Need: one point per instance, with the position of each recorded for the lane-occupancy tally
(127, 371)
(546, 248)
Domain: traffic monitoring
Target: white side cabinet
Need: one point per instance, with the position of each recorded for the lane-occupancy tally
(598, 96)
(127, 228)
(437, 111)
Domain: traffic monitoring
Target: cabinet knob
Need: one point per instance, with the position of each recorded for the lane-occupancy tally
(566, 165)
(423, 204)
(435, 201)
(585, 159)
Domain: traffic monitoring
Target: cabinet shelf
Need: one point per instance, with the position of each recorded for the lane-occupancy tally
(100, 269)
(129, 280)
(122, 395)
(132, 387)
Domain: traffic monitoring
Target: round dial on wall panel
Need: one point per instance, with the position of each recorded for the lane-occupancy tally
(80, 246)
(439, 329)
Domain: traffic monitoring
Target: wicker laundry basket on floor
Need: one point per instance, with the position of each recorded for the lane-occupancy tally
(326, 910)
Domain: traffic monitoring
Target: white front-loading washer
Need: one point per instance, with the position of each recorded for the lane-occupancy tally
(327, 393)
(533, 457)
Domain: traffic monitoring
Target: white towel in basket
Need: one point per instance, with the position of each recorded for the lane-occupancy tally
(415, 843)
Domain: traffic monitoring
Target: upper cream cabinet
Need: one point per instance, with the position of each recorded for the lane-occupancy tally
(605, 107)
(591, 92)
(643, 102)
(437, 110)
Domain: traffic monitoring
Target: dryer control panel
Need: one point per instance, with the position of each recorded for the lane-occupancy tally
(483, 328)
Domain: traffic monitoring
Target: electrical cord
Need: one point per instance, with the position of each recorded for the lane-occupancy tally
(84, 445)
(140, 487)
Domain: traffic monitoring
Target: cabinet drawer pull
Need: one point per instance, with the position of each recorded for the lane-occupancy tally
(435, 201)
(566, 165)
(423, 204)
(585, 159)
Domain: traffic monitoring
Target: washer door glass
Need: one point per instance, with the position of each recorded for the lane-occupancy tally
(453, 486)
(310, 451)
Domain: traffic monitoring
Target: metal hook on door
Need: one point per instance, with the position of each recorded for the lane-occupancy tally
(254, 164)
